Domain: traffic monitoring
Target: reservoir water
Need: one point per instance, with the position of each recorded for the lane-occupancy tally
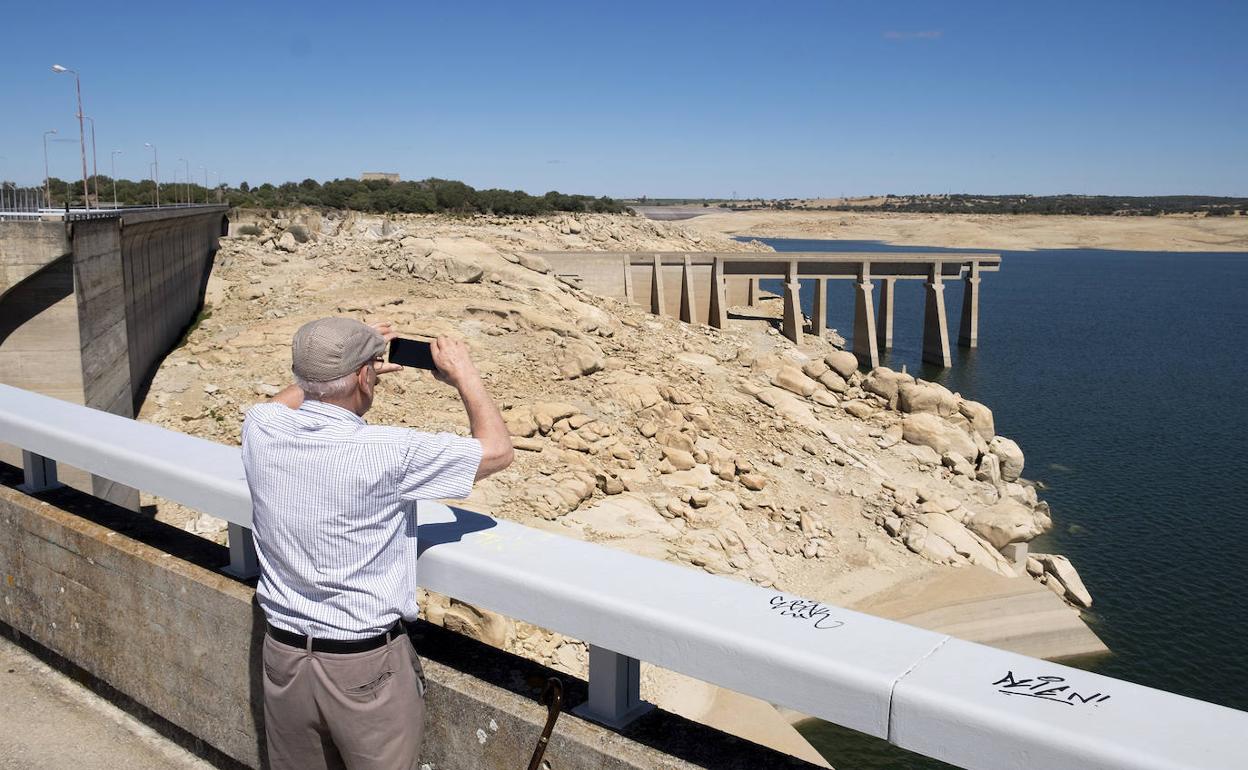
(1124, 378)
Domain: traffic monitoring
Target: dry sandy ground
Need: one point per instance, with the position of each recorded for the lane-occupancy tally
(990, 231)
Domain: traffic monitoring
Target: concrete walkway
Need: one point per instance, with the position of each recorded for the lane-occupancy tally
(47, 720)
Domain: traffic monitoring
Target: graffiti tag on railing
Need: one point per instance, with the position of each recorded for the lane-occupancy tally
(804, 609)
(1050, 688)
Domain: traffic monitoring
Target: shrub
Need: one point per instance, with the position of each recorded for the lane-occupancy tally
(248, 230)
(300, 232)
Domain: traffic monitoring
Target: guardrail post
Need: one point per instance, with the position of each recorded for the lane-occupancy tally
(39, 473)
(614, 689)
(243, 562)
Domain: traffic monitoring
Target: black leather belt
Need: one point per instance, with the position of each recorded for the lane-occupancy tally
(340, 646)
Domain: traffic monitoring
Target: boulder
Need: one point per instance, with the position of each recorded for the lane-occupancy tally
(1010, 455)
(980, 418)
(926, 429)
(287, 242)
(885, 382)
(753, 481)
(579, 359)
(989, 470)
(1059, 567)
(678, 458)
(842, 362)
(1006, 522)
(859, 409)
(534, 262)
(926, 397)
(966, 543)
(814, 369)
(791, 379)
(833, 382)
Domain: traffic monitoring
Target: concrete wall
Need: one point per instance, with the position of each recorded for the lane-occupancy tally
(183, 642)
(88, 309)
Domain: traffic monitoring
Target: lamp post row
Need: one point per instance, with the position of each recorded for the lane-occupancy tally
(86, 192)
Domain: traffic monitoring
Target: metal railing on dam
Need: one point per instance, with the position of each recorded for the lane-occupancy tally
(964, 703)
(636, 275)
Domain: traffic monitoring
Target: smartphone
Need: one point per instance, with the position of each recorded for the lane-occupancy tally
(412, 353)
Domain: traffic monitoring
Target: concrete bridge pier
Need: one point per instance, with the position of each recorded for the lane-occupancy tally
(968, 333)
(819, 311)
(866, 343)
(791, 324)
(688, 301)
(884, 325)
(717, 315)
(656, 287)
(754, 294)
(935, 325)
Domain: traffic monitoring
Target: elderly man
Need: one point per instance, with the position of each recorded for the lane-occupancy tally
(333, 503)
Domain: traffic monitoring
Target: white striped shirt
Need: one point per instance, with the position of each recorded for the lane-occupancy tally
(334, 514)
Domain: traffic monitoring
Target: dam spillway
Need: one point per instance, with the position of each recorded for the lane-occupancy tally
(90, 302)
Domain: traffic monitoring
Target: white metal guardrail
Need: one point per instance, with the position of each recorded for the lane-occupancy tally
(963, 703)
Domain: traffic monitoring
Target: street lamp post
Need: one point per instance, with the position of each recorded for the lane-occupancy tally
(95, 171)
(155, 172)
(205, 170)
(112, 166)
(187, 164)
(82, 132)
(47, 179)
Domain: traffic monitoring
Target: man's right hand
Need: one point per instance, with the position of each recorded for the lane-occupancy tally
(455, 366)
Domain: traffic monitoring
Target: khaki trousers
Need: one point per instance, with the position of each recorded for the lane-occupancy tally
(359, 711)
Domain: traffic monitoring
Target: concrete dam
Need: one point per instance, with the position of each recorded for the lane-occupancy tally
(91, 302)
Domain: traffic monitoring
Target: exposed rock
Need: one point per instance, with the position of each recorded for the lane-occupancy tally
(1060, 568)
(534, 262)
(926, 397)
(859, 409)
(980, 418)
(579, 359)
(1010, 455)
(928, 430)
(842, 362)
(791, 379)
(753, 481)
(287, 243)
(1006, 522)
(678, 458)
(885, 382)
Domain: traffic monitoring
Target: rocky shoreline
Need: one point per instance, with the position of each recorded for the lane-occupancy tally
(730, 451)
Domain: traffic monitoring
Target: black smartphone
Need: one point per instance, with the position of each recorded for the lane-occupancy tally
(412, 353)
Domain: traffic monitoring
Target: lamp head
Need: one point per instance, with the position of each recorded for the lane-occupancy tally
(59, 68)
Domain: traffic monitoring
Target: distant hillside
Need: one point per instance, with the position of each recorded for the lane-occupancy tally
(1123, 205)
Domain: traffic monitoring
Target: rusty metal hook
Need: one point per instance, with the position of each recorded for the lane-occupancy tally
(552, 699)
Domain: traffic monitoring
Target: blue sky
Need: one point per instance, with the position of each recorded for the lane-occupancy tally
(664, 99)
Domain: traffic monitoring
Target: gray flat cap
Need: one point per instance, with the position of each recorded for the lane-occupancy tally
(329, 348)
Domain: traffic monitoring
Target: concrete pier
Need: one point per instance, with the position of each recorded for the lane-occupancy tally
(968, 332)
(866, 344)
(884, 325)
(734, 280)
(935, 322)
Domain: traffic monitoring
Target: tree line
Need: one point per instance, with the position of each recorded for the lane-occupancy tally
(426, 196)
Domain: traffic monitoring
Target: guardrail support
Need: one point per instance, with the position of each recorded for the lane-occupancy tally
(614, 689)
(39, 473)
(243, 562)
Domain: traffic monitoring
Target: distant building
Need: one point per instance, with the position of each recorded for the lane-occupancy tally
(371, 176)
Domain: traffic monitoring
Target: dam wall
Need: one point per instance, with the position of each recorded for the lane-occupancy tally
(90, 305)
